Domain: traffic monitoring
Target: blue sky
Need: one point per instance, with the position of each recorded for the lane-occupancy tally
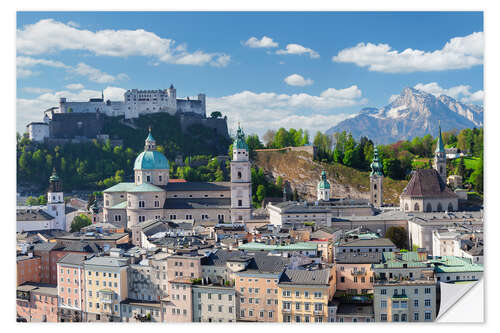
(266, 70)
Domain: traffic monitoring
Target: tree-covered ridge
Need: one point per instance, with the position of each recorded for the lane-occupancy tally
(98, 165)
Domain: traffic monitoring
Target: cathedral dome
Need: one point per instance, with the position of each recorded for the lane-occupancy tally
(151, 160)
(323, 183)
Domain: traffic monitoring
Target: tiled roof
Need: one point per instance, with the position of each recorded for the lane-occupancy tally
(220, 257)
(197, 203)
(301, 246)
(264, 263)
(359, 258)
(427, 183)
(198, 186)
(316, 277)
(73, 259)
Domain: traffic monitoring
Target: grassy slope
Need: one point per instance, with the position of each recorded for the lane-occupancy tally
(301, 171)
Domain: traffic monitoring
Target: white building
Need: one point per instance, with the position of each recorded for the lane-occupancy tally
(137, 102)
(38, 131)
(49, 217)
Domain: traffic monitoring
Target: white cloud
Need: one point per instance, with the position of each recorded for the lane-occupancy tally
(74, 86)
(299, 50)
(261, 111)
(29, 110)
(297, 80)
(461, 92)
(264, 42)
(50, 36)
(36, 90)
(457, 53)
(25, 65)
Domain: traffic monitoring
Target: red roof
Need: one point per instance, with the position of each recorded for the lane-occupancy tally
(177, 181)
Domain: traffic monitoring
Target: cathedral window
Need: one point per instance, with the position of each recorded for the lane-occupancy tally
(439, 207)
(416, 207)
(450, 207)
(428, 208)
(239, 174)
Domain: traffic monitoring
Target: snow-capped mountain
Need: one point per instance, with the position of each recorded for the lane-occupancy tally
(412, 113)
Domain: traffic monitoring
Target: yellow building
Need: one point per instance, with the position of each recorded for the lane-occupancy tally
(304, 294)
(106, 287)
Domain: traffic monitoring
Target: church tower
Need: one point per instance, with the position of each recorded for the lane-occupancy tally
(440, 157)
(55, 202)
(241, 180)
(323, 190)
(376, 181)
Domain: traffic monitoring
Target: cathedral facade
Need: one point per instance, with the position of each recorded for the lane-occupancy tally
(153, 195)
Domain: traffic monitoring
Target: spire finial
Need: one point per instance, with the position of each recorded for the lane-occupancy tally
(149, 128)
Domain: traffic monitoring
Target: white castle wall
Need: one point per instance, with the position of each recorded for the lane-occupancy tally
(137, 102)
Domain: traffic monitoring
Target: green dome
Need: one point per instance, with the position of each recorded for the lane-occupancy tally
(54, 177)
(376, 165)
(150, 160)
(323, 183)
(240, 143)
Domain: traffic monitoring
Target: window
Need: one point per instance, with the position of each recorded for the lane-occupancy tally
(383, 304)
(355, 279)
(307, 306)
(297, 294)
(270, 314)
(383, 291)
(317, 295)
(383, 317)
(210, 307)
(415, 316)
(297, 319)
(395, 305)
(220, 307)
(427, 315)
(427, 303)
(427, 290)
(403, 317)
(250, 313)
(297, 306)
(240, 203)
(415, 303)
(395, 317)
(416, 291)
(141, 203)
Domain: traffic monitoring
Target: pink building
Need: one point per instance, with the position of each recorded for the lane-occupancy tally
(37, 302)
(178, 305)
(71, 287)
(354, 273)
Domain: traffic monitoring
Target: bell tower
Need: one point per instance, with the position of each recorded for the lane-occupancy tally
(241, 180)
(376, 181)
(440, 157)
(55, 202)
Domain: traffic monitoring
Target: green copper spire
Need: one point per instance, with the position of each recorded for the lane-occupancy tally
(323, 183)
(150, 136)
(376, 164)
(240, 143)
(440, 146)
(54, 177)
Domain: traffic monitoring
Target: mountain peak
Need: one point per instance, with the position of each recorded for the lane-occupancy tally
(413, 113)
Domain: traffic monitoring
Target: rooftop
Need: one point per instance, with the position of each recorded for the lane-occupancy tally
(301, 246)
(358, 258)
(198, 186)
(314, 277)
(197, 203)
(427, 183)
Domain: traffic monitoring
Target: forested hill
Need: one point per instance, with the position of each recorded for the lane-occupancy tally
(98, 165)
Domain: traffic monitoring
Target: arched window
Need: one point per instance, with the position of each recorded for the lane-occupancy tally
(450, 207)
(439, 207)
(428, 208)
(406, 207)
(239, 174)
(416, 207)
(374, 186)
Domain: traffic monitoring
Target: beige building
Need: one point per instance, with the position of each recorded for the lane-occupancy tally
(106, 286)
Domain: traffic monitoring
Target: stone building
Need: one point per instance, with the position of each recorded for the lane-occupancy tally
(152, 196)
(215, 303)
(427, 190)
(354, 272)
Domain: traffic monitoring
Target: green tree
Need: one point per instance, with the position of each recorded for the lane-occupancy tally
(398, 235)
(31, 201)
(42, 199)
(79, 222)
(216, 114)
(392, 168)
(261, 193)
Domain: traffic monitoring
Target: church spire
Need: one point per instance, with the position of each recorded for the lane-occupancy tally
(440, 145)
(376, 165)
(150, 141)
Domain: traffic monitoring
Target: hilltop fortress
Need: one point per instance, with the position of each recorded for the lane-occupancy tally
(138, 102)
(79, 121)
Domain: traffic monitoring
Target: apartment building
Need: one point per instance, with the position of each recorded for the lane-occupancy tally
(37, 302)
(256, 282)
(133, 310)
(354, 272)
(28, 268)
(303, 295)
(106, 285)
(215, 303)
(71, 287)
(177, 307)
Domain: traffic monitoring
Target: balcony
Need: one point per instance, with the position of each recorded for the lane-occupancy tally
(318, 312)
(357, 273)
(287, 310)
